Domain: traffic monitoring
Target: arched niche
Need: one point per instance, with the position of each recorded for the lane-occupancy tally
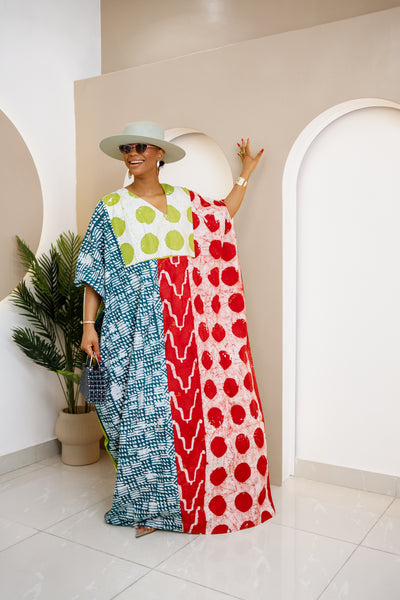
(22, 205)
(204, 169)
(291, 174)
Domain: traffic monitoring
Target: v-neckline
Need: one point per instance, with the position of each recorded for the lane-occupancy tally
(165, 188)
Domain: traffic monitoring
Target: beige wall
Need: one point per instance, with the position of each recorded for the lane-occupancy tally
(286, 80)
(135, 33)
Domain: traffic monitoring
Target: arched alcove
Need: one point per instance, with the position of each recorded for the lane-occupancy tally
(291, 176)
(213, 179)
(22, 205)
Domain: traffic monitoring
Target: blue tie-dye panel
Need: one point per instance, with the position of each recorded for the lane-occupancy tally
(136, 416)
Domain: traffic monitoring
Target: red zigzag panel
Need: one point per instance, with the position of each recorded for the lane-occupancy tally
(185, 390)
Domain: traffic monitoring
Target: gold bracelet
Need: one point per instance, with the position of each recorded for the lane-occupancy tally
(83, 322)
(241, 181)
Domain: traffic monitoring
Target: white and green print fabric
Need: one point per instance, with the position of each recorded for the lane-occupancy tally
(143, 232)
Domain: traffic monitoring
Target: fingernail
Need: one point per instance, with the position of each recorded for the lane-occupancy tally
(262, 150)
(98, 357)
(238, 144)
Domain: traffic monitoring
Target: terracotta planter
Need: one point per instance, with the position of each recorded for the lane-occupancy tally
(80, 436)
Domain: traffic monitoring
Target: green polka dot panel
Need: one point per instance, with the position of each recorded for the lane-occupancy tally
(189, 214)
(174, 240)
(173, 215)
(168, 189)
(127, 253)
(145, 214)
(191, 242)
(186, 191)
(111, 199)
(149, 243)
(118, 225)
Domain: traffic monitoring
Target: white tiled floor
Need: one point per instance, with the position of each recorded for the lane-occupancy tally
(326, 542)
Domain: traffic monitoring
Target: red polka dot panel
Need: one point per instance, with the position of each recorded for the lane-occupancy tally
(218, 332)
(248, 382)
(238, 414)
(218, 476)
(247, 525)
(221, 529)
(254, 409)
(228, 251)
(239, 328)
(230, 387)
(236, 464)
(236, 303)
(216, 304)
(215, 249)
(215, 417)
(259, 437)
(217, 505)
(211, 222)
(206, 360)
(243, 501)
(262, 465)
(210, 389)
(213, 276)
(242, 472)
(242, 443)
(198, 304)
(230, 276)
(197, 278)
(243, 354)
(224, 360)
(203, 331)
(218, 446)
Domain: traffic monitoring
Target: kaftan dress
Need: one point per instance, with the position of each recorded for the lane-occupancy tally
(183, 419)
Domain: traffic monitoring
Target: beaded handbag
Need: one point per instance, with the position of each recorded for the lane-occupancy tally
(93, 383)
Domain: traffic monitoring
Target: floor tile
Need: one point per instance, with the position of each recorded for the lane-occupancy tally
(89, 528)
(19, 472)
(157, 585)
(11, 533)
(269, 561)
(330, 510)
(386, 533)
(368, 575)
(48, 568)
(44, 497)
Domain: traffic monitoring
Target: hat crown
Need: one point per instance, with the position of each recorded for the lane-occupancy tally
(144, 129)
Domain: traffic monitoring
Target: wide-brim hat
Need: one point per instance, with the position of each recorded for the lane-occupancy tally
(142, 132)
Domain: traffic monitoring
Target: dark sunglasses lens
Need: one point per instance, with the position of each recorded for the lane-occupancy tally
(141, 148)
(125, 148)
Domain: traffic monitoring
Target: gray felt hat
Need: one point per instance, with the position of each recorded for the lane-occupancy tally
(144, 132)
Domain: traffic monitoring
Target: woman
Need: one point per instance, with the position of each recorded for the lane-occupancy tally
(183, 418)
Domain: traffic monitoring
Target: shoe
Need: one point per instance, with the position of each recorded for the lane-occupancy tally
(142, 530)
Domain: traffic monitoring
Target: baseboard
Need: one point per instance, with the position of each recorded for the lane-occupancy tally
(354, 478)
(28, 456)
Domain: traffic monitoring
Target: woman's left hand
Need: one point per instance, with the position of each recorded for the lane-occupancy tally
(249, 162)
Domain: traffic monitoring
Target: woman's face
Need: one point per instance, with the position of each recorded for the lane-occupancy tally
(141, 163)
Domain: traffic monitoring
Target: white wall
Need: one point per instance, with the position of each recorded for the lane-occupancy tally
(44, 46)
(348, 294)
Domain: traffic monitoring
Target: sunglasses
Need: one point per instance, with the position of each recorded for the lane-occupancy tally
(139, 148)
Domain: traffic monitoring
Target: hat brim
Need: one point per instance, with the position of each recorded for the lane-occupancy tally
(110, 146)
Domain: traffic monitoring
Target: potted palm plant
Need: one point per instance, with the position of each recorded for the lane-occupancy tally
(52, 304)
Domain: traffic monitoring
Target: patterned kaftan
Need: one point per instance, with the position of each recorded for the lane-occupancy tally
(183, 419)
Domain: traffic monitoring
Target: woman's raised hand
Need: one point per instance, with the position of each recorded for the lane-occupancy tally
(249, 162)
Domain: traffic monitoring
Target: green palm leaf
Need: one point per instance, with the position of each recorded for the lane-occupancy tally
(43, 353)
(53, 306)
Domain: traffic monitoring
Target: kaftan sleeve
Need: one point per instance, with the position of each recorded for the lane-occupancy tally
(90, 269)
